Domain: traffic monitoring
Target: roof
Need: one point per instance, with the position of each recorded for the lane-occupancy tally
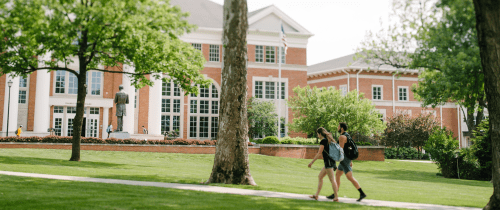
(202, 13)
(250, 14)
(349, 62)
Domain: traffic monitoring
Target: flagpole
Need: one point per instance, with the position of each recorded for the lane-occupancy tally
(279, 80)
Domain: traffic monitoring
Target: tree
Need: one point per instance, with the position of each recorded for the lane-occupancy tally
(406, 131)
(231, 164)
(262, 118)
(143, 34)
(314, 108)
(487, 25)
(438, 38)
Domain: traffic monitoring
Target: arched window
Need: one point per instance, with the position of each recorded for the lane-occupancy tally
(204, 113)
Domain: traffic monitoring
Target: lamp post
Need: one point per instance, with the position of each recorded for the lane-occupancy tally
(8, 108)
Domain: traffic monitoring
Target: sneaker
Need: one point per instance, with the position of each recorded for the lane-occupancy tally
(331, 196)
(361, 197)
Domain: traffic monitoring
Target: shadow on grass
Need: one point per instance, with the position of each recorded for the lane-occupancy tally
(421, 176)
(57, 194)
(55, 162)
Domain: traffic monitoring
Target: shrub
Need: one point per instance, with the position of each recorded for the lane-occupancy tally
(364, 144)
(482, 150)
(442, 148)
(271, 140)
(403, 153)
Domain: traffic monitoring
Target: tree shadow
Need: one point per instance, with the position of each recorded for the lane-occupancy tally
(54, 162)
(422, 176)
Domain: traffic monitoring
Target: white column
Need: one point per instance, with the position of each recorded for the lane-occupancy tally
(42, 108)
(128, 120)
(14, 97)
(154, 114)
(105, 117)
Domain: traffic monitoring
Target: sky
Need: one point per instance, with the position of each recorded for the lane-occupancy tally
(339, 26)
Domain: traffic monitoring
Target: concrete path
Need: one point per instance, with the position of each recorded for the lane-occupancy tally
(215, 189)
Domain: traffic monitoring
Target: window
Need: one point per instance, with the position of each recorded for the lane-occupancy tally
(22, 97)
(377, 92)
(58, 109)
(165, 89)
(203, 127)
(204, 92)
(95, 86)
(60, 79)
(165, 123)
(214, 53)
(403, 93)
(258, 89)
(215, 107)
(72, 84)
(282, 93)
(91, 128)
(215, 93)
(259, 54)
(192, 126)
(343, 90)
(270, 54)
(194, 106)
(270, 90)
(58, 126)
(176, 123)
(204, 107)
(71, 110)
(177, 106)
(282, 127)
(23, 82)
(94, 110)
(177, 90)
(165, 105)
(135, 98)
(215, 127)
(70, 127)
(196, 46)
(283, 55)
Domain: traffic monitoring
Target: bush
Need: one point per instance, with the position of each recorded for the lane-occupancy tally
(408, 153)
(482, 150)
(364, 144)
(271, 140)
(92, 140)
(442, 148)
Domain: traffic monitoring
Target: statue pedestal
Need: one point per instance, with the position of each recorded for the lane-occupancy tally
(119, 135)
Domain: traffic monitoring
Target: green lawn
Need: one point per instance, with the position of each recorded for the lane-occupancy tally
(33, 193)
(391, 180)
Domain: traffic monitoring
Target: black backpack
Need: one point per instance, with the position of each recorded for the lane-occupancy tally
(350, 148)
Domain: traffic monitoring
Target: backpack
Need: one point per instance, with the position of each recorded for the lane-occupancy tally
(335, 152)
(350, 148)
(17, 131)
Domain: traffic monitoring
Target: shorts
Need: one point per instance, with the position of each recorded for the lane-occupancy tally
(329, 163)
(345, 165)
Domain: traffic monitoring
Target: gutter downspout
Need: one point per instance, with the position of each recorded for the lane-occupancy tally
(393, 97)
(357, 81)
(458, 125)
(348, 80)
(441, 114)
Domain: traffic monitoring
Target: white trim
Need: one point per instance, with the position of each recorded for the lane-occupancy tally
(381, 92)
(71, 101)
(282, 15)
(310, 81)
(389, 103)
(368, 69)
(254, 65)
(327, 79)
(407, 93)
(342, 91)
(383, 112)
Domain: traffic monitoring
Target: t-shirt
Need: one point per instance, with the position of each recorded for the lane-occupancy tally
(19, 131)
(326, 148)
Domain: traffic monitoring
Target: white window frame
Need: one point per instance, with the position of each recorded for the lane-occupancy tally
(66, 83)
(381, 92)
(384, 114)
(198, 115)
(197, 46)
(272, 91)
(407, 93)
(432, 112)
(214, 53)
(276, 87)
(261, 86)
(283, 55)
(404, 112)
(259, 54)
(343, 90)
(175, 94)
(270, 58)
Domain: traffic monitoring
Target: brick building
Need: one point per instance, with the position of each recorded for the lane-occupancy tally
(46, 100)
(390, 93)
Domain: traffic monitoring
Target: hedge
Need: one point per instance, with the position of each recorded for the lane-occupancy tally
(92, 140)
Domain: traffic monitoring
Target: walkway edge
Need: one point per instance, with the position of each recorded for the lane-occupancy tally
(236, 191)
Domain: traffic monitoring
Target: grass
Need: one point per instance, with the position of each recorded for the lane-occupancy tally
(391, 180)
(34, 193)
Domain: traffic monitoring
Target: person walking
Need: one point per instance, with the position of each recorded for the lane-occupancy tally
(109, 129)
(345, 166)
(19, 131)
(329, 163)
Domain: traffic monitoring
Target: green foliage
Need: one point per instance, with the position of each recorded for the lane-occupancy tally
(408, 153)
(298, 140)
(271, 140)
(314, 108)
(442, 148)
(482, 149)
(262, 118)
(361, 143)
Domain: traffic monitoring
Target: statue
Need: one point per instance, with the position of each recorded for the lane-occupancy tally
(121, 98)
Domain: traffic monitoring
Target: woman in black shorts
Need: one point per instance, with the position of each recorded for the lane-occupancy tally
(329, 163)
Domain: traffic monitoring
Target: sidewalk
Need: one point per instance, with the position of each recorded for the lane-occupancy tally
(215, 189)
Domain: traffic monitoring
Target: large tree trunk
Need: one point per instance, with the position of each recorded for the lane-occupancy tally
(78, 121)
(231, 164)
(488, 31)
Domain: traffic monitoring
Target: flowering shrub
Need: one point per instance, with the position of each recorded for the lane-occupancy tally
(93, 140)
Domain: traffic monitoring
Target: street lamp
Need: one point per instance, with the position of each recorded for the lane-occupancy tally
(8, 108)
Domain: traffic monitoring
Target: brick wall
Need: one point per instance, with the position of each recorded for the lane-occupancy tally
(31, 101)
(308, 152)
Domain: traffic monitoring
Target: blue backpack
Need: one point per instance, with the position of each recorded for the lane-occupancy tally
(335, 152)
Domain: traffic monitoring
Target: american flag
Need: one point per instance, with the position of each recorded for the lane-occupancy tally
(283, 38)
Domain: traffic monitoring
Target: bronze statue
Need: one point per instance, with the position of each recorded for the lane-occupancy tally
(121, 98)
